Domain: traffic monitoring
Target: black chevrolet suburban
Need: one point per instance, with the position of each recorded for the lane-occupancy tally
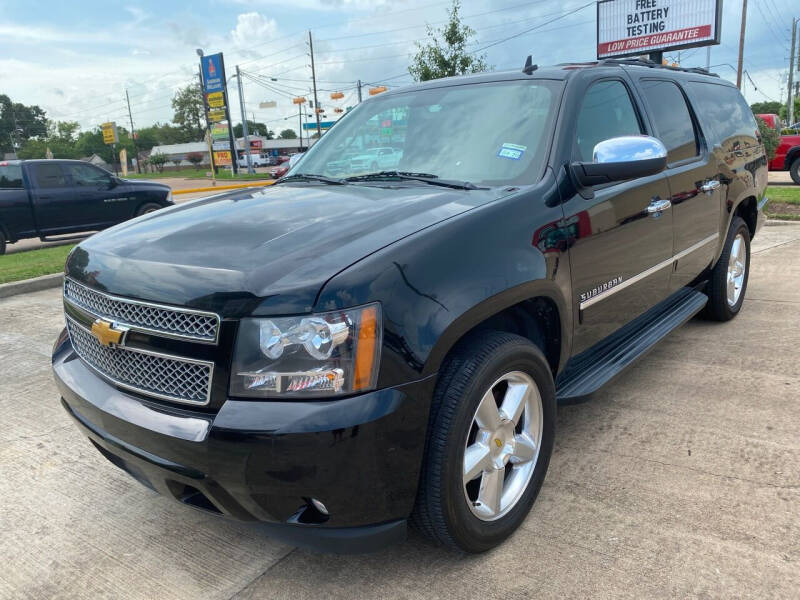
(351, 350)
(49, 198)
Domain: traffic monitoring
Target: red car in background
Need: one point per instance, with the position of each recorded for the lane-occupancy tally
(279, 171)
(787, 156)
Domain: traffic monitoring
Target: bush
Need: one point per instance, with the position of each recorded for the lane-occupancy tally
(769, 137)
(195, 158)
(158, 161)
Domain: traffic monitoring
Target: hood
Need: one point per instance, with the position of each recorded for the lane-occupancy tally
(271, 248)
(144, 183)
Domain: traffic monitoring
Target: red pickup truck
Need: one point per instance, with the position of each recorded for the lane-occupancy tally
(787, 156)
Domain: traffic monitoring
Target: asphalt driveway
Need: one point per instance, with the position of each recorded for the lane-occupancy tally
(682, 478)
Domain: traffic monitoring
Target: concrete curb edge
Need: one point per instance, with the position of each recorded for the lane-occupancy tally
(31, 285)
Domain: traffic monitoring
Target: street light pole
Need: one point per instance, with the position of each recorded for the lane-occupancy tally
(250, 168)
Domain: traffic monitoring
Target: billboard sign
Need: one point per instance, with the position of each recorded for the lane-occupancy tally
(213, 73)
(215, 115)
(215, 100)
(222, 158)
(219, 131)
(633, 27)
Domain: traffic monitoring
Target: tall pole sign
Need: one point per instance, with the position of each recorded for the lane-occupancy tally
(635, 27)
(215, 94)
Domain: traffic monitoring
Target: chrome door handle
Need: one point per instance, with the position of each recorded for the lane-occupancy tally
(710, 186)
(658, 205)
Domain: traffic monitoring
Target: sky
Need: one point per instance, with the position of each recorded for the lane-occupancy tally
(76, 59)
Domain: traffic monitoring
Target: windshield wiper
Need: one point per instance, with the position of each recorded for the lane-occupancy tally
(312, 177)
(409, 176)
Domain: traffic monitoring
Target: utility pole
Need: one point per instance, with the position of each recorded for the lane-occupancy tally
(250, 168)
(314, 80)
(133, 132)
(359, 91)
(300, 123)
(741, 46)
(790, 102)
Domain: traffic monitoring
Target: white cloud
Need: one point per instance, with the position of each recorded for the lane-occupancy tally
(252, 29)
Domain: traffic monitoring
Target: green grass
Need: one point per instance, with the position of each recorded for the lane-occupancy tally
(788, 194)
(33, 263)
(198, 174)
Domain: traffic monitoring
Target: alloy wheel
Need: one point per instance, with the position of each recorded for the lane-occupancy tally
(502, 446)
(737, 265)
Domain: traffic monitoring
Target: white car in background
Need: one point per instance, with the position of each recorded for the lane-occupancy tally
(257, 160)
(376, 159)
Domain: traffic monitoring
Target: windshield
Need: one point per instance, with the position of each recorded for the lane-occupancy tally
(488, 133)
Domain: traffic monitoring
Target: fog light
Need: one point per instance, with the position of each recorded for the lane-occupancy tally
(319, 506)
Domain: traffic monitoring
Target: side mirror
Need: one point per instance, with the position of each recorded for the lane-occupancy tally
(621, 158)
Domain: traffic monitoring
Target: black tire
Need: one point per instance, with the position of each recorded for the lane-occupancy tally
(794, 171)
(2, 243)
(441, 512)
(148, 207)
(718, 307)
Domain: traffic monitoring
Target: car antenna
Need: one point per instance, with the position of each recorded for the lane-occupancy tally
(529, 66)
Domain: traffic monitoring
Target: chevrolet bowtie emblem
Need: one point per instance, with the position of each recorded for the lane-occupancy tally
(105, 333)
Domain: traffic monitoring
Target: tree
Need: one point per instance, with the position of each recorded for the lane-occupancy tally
(769, 137)
(253, 128)
(19, 123)
(445, 53)
(287, 134)
(195, 158)
(766, 108)
(189, 111)
(158, 161)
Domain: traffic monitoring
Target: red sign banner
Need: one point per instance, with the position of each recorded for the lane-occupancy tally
(681, 36)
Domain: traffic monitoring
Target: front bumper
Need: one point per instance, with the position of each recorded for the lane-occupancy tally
(265, 461)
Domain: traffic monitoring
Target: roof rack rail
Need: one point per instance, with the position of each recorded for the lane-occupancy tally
(644, 62)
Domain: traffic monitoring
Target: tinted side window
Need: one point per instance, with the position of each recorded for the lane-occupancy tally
(10, 176)
(606, 112)
(85, 175)
(673, 121)
(723, 109)
(49, 175)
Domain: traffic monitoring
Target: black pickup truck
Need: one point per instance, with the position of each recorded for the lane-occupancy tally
(349, 350)
(47, 198)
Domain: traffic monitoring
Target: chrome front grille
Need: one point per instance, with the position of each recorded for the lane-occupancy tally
(163, 320)
(167, 377)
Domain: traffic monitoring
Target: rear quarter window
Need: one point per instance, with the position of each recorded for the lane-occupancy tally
(10, 176)
(722, 110)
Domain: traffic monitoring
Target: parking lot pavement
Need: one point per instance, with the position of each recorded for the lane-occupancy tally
(679, 479)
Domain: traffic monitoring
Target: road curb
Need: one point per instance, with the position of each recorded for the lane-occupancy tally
(780, 223)
(31, 285)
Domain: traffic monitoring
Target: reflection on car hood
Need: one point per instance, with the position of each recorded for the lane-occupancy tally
(273, 246)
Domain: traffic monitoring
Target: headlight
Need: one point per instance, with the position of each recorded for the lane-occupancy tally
(323, 354)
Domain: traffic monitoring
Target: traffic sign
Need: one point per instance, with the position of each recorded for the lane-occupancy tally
(322, 124)
(110, 135)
